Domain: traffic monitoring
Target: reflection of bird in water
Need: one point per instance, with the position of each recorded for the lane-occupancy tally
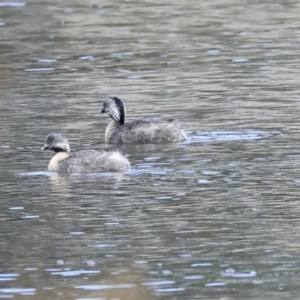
(140, 130)
(84, 161)
(61, 186)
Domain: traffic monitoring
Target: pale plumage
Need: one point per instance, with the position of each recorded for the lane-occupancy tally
(84, 161)
(140, 130)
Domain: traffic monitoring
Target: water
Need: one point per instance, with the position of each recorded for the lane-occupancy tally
(216, 217)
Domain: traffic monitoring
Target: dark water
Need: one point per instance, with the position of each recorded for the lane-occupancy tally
(214, 218)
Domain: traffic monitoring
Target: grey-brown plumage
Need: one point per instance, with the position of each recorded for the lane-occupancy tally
(84, 161)
(140, 130)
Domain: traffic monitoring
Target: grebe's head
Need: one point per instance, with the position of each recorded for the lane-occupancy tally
(56, 142)
(115, 108)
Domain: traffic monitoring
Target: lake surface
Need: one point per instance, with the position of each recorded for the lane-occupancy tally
(216, 217)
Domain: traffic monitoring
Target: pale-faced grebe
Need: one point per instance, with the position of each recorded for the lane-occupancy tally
(84, 161)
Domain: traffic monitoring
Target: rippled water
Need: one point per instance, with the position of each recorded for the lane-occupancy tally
(216, 217)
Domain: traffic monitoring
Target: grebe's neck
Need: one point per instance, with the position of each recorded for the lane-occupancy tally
(110, 129)
(56, 159)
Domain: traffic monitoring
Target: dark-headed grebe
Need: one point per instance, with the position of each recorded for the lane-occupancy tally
(140, 130)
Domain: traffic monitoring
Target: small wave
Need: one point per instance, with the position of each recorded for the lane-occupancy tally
(38, 173)
(221, 136)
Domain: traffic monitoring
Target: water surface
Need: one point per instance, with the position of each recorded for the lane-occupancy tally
(213, 218)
